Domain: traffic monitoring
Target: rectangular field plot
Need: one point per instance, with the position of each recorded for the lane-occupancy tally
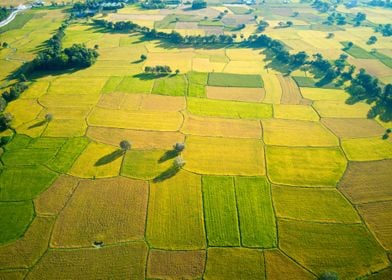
(119, 261)
(323, 93)
(352, 128)
(108, 210)
(290, 90)
(295, 112)
(76, 85)
(356, 51)
(309, 204)
(138, 138)
(297, 133)
(240, 156)
(172, 85)
(365, 182)
(235, 263)
(181, 228)
(338, 109)
(245, 67)
(234, 80)
(378, 218)
(257, 219)
(220, 211)
(145, 120)
(347, 249)
(305, 166)
(229, 109)
(273, 89)
(210, 126)
(176, 264)
(235, 93)
(136, 84)
(364, 149)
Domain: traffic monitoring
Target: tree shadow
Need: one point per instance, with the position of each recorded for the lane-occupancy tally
(137, 61)
(148, 76)
(38, 124)
(173, 170)
(168, 155)
(109, 158)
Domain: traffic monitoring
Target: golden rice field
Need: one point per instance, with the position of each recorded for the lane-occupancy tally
(277, 180)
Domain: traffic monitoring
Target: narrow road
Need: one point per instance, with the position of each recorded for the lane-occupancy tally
(13, 15)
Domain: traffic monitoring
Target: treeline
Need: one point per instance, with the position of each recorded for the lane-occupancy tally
(173, 37)
(7, 96)
(91, 7)
(380, 3)
(385, 29)
(153, 4)
(54, 57)
(4, 13)
(199, 4)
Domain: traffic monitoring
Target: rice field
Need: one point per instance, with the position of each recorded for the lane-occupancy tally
(277, 178)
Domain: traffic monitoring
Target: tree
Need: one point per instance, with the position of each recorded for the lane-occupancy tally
(199, 4)
(179, 162)
(5, 45)
(96, 46)
(179, 147)
(372, 40)
(330, 35)
(329, 275)
(5, 121)
(143, 57)
(289, 23)
(177, 71)
(125, 145)
(48, 117)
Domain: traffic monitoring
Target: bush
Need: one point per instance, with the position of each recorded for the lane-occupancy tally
(329, 275)
(5, 121)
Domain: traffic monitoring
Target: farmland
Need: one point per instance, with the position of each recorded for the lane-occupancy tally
(229, 165)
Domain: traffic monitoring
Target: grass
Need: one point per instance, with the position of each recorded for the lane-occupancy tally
(135, 84)
(111, 84)
(234, 263)
(254, 203)
(117, 261)
(172, 85)
(220, 211)
(196, 90)
(180, 199)
(297, 133)
(311, 204)
(97, 161)
(18, 23)
(241, 156)
(86, 218)
(365, 149)
(356, 51)
(229, 109)
(144, 164)
(346, 249)
(197, 77)
(25, 183)
(234, 80)
(15, 217)
(305, 166)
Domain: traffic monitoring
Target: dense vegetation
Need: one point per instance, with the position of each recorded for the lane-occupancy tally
(199, 4)
(4, 13)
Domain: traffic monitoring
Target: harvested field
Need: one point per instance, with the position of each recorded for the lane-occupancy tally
(234, 80)
(290, 91)
(205, 65)
(304, 166)
(366, 182)
(56, 196)
(221, 127)
(138, 138)
(378, 218)
(295, 112)
(236, 94)
(373, 66)
(220, 211)
(355, 251)
(175, 264)
(181, 60)
(91, 214)
(311, 204)
(145, 165)
(353, 128)
(97, 161)
(256, 215)
(234, 263)
(229, 109)
(143, 119)
(279, 266)
(297, 133)
(27, 250)
(244, 67)
(241, 156)
(273, 89)
(365, 149)
(181, 228)
(120, 261)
